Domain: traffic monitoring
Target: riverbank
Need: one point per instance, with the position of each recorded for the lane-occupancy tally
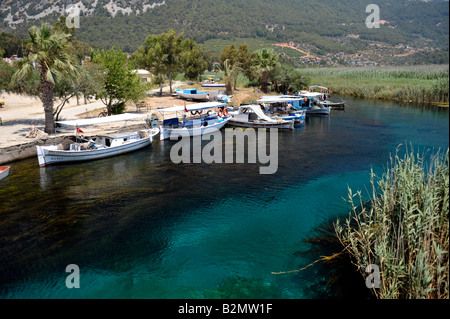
(21, 114)
(412, 84)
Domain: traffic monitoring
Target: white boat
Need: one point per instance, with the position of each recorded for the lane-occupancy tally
(4, 172)
(253, 116)
(311, 103)
(282, 107)
(305, 100)
(194, 119)
(324, 96)
(100, 147)
(195, 95)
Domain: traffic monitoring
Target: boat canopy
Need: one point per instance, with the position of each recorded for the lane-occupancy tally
(101, 120)
(193, 107)
(310, 94)
(259, 112)
(279, 99)
(314, 87)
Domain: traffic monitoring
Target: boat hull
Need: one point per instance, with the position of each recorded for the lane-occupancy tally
(49, 155)
(167, 132)
(4, 172)
(283, 125)
(319, 111)
(334, 105)
(205, 97)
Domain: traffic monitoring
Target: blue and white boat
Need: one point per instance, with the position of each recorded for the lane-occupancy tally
(324, 96)
(253, 116)
(305, 101)
(195, 95)
(193, 120)
(311, 102)
(282, 107)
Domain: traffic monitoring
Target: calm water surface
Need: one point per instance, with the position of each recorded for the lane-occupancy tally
(139, 226)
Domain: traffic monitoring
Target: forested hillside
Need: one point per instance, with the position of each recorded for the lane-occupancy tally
(318, 27)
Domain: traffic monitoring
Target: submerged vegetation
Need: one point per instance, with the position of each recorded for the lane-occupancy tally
(404, 228)
(419, 84)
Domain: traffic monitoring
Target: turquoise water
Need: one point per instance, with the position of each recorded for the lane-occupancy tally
(139, 226)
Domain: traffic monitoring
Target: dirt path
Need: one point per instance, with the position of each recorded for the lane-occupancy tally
(286, 45)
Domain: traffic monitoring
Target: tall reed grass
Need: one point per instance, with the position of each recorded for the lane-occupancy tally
(404, 229)
(420, 84)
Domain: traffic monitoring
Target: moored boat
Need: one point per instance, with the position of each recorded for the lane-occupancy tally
(4, 172)
(193, 120)
(282, 107)
(324, 96)
(310, 102)
(195, 95)
(253, 116)
(100, 147)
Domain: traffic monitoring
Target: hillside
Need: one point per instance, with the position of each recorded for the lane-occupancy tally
(316, 28)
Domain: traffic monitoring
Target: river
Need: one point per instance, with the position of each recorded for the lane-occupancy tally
(140, 226)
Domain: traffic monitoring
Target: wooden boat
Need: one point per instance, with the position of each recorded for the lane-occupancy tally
(324, 96)
(195, 95)
(334, 105)
(193, 120)
(282, 107)
(253, 116)
(102, 146)
(4, 172)
(310, 102)
(99, 147)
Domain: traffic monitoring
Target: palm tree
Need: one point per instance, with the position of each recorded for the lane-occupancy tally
(231, 73)
(47, 51)
(265, 61)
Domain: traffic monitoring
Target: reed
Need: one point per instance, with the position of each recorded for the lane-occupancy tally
(404, 228)
(420, 84)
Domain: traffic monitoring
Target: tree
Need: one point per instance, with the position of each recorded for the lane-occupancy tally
(6, 72)
(241, 59)
(120, 83)
(161, 55)
(288, 79)
(229, 53)
(231, 72)
(151, 58)
(11, 45)
(78, 49)
(193, 60)
(245, 57)
(48, 52)
(263, 62)
(173, 49)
